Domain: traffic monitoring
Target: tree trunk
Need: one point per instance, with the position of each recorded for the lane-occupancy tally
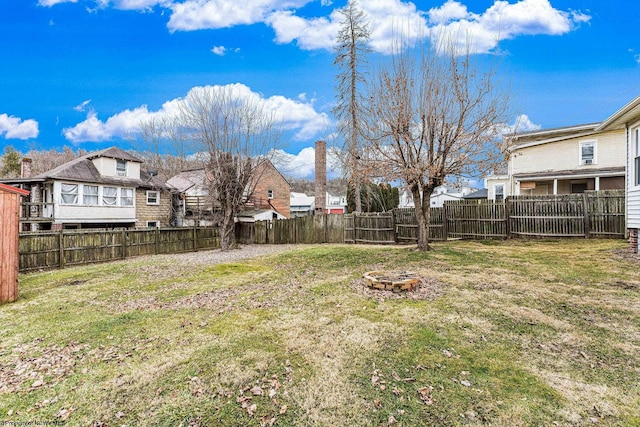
(423, 217)
(227, 231)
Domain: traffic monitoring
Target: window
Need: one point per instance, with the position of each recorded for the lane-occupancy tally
(121, 167)
(90, 195)
(636, 159)
(588, 153)
(153, 197)
(499, 191)
(69, 194)
(126, 197)
(152, 224)
(109, 196)
(270, 194)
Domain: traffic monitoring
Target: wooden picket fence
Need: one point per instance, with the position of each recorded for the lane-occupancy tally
(59, 249)
(591, 214)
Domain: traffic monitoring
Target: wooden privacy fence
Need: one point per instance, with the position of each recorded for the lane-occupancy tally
(308, 229)
(57, 249)
(591, 214)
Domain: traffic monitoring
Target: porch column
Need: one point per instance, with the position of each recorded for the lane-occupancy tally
(555, 186)
(597, 183)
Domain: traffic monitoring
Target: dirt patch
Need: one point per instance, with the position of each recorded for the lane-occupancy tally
(428, 289)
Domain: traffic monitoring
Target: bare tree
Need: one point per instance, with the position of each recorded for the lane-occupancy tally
(351, 50)
(235, 133)
(433, 114)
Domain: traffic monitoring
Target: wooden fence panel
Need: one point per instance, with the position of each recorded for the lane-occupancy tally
(349, 228)
(470, 219)
(606, 213)
(334, 228)
(375, 228)
(39, 250)
(548, 216)
(82, 247)
(141, 242)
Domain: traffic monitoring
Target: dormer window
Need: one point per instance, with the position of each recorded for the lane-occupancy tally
(121, 167)
(588, 153)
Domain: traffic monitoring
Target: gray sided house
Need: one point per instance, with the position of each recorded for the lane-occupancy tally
(104, 189)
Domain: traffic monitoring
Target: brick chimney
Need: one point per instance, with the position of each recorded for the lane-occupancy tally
(321, 177)
(25, 168)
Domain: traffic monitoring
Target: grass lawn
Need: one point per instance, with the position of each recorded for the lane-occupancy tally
(514, 333)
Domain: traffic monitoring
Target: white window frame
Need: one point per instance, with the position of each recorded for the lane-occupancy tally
(594, 160)
(112, 198)
(495, 192)
(86, 194)
(636, 157)
(153, 224)
(157, 197)
(121, 171)
(269, 194)
(127, 196)
(75, 193)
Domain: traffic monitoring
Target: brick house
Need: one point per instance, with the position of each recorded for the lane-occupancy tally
(193, 205)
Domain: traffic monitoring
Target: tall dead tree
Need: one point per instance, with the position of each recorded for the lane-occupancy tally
(351, 51)
(433, 113)
(234, 133)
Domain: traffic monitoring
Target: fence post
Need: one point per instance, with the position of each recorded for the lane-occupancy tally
(157, 240)
(507, 217)
(195, 238)
(61, 247)
(587, 222)
(124, 243)
(445, 221)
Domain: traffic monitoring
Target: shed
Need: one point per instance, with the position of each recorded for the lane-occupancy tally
(9, 233)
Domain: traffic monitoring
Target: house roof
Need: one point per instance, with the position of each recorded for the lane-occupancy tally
(82, 169)
(11, 189)
(628, 113)
(187, 179)
(483, 193)
(544, 136)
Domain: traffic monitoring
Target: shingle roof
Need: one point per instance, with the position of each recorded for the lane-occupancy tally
(187, 179)
(82, 169)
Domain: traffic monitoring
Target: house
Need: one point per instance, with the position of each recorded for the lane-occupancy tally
(440, 195)
(195, 206)
(563, 160)
(104, 189)
(627, 121)
(335, 204)
(481, 194)
(301, 205)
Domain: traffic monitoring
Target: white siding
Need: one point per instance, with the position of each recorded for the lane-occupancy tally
(633, 191)
(565, 155)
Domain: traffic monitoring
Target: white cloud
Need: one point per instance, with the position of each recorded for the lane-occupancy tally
(393, 19)
(219, 50)
(522, 123)
(302, 165)
(15, 128)
(210, 14)
(82, 106)
(49, 3)
(298, 117)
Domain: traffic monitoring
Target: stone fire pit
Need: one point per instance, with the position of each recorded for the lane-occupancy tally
(395, 281)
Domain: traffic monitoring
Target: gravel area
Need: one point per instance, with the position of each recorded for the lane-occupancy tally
(217, 256)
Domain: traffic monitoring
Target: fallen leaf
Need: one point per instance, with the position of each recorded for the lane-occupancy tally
(257, 391)
(120, 414)
(272, 393)
(283, 409)
(465, 383)
(251, 409)
(392, 420)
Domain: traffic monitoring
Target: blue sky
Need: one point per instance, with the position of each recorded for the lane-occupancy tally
(83, 73)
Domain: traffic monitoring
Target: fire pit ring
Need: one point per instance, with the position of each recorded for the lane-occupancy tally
(391, 281)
